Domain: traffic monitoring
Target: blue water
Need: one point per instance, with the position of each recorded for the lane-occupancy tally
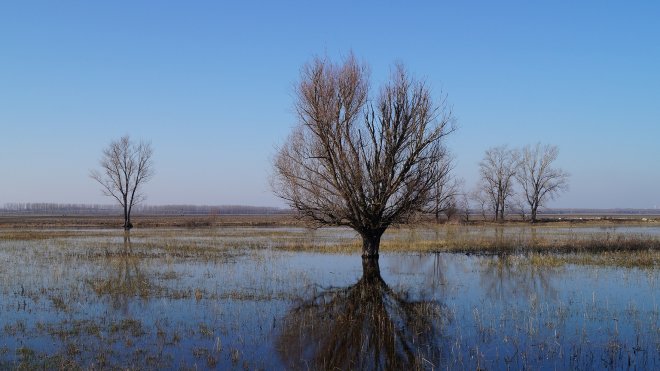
(260, 308)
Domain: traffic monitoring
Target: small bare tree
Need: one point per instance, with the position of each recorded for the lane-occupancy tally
(356, 164)
(125, 166)
(498, 169)
(446, 190)
(539, 181)
(464, 207)
(520, 206)
(481, 199)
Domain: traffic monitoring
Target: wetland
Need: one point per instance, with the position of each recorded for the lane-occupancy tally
(287, 297)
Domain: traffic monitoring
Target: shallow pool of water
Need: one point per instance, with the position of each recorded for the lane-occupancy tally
(78, 302)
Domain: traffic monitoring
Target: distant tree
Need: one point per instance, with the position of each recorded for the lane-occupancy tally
(498, 170)
(464, 206)
(481, 199)
(452, 208)
(360, 164)
(520, 206)
(446, 190)
(125, 167)
(539, 181)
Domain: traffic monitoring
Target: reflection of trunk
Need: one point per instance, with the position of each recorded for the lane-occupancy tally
(128, 248)
(371, 243)
(534, 236)
(499, 236)
(124, 280)
(363, 326)
(509, 277)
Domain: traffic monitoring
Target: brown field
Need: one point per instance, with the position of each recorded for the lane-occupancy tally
(150, 221)
(201, 221)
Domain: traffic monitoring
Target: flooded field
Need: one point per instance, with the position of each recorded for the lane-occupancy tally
(291, 298)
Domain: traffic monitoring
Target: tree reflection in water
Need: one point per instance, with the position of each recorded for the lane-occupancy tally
(363, 326)
(125, 281)
(515, 277)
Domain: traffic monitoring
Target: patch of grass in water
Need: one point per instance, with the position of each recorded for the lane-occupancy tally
(128, 325)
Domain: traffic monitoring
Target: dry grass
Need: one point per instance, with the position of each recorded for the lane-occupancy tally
(225, 243)
(517, 244)
(282, 220)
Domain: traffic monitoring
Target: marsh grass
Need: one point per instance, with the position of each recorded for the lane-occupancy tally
(558, 243)
(545, 247)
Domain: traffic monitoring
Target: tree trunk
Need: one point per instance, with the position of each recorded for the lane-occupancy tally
(371, 243)
(501, 217)
(127, 219)
(533, 214)
(370, 270)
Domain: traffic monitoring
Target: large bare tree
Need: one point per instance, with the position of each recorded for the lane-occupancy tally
(498, 170)
(539, 181)
(125, 167)
(360, 163)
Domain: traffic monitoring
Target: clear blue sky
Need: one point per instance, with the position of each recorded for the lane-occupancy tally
(210, 85)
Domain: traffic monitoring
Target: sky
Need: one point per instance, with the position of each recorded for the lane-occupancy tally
(210, 85)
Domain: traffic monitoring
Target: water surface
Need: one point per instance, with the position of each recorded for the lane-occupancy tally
(160, 300)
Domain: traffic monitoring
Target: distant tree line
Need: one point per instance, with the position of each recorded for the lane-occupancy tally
(57, 208)
(210, 210)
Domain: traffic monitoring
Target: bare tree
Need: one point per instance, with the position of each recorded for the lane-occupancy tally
(498, 169)
(479, 196)
(359, 164)
(446, 190)
(464, 207)
(125, 166)
(539, 181)
(520, 206)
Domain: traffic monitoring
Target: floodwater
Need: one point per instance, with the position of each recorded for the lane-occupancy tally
(167, 301)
